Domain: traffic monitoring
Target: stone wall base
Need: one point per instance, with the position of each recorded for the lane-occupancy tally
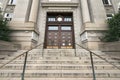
(7, 48)
(110, 46)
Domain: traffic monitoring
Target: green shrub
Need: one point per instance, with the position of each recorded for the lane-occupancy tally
(4, 30)
(113, 33)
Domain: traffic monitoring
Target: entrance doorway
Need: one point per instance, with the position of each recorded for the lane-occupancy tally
(59, 31)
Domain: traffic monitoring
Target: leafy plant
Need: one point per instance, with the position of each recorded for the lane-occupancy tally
(4, 29)
(113, 32)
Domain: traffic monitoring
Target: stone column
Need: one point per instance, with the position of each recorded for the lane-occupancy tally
(85, 11)
(34, 11)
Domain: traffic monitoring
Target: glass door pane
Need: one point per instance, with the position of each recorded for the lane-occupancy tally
(66, 28)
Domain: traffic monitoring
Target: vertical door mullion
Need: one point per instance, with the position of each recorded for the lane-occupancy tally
(59, 32)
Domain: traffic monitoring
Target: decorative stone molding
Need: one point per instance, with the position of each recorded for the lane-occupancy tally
(84, 36)
(59, 4)
(34, 36)
(60, 0)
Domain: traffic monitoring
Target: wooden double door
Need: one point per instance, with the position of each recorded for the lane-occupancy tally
(59, 34)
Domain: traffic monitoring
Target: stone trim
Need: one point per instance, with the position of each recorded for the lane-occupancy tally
(59, 4)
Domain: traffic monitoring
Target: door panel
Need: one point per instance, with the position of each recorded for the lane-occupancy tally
(52, 37)
(66, 37)
(59, 31)
(59, 37)
(66, 40)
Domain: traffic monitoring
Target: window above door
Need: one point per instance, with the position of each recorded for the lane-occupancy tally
(59, 17)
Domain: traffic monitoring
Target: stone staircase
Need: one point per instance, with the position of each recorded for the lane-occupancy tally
(60, 64)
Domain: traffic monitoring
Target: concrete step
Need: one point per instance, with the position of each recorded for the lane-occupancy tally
(76, 62)
(60, 71)
(38, 56)
(60, 64)
(60, 67)
(60, 52)
(60, 74)
(59, 79)
(46, 58)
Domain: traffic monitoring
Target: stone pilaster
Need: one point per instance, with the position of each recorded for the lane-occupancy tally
(34, 11)
(85, 11)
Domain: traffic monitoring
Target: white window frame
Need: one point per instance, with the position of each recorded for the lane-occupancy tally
(119, 7)
(9, 17)
(51, 19)
(109, 17)
(109, 2)
(12, 2)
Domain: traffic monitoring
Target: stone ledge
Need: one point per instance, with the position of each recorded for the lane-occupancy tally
(63, 4)
(23, 26)
(7, 49)
(7, 46)
(94, 26)
(110, 46)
